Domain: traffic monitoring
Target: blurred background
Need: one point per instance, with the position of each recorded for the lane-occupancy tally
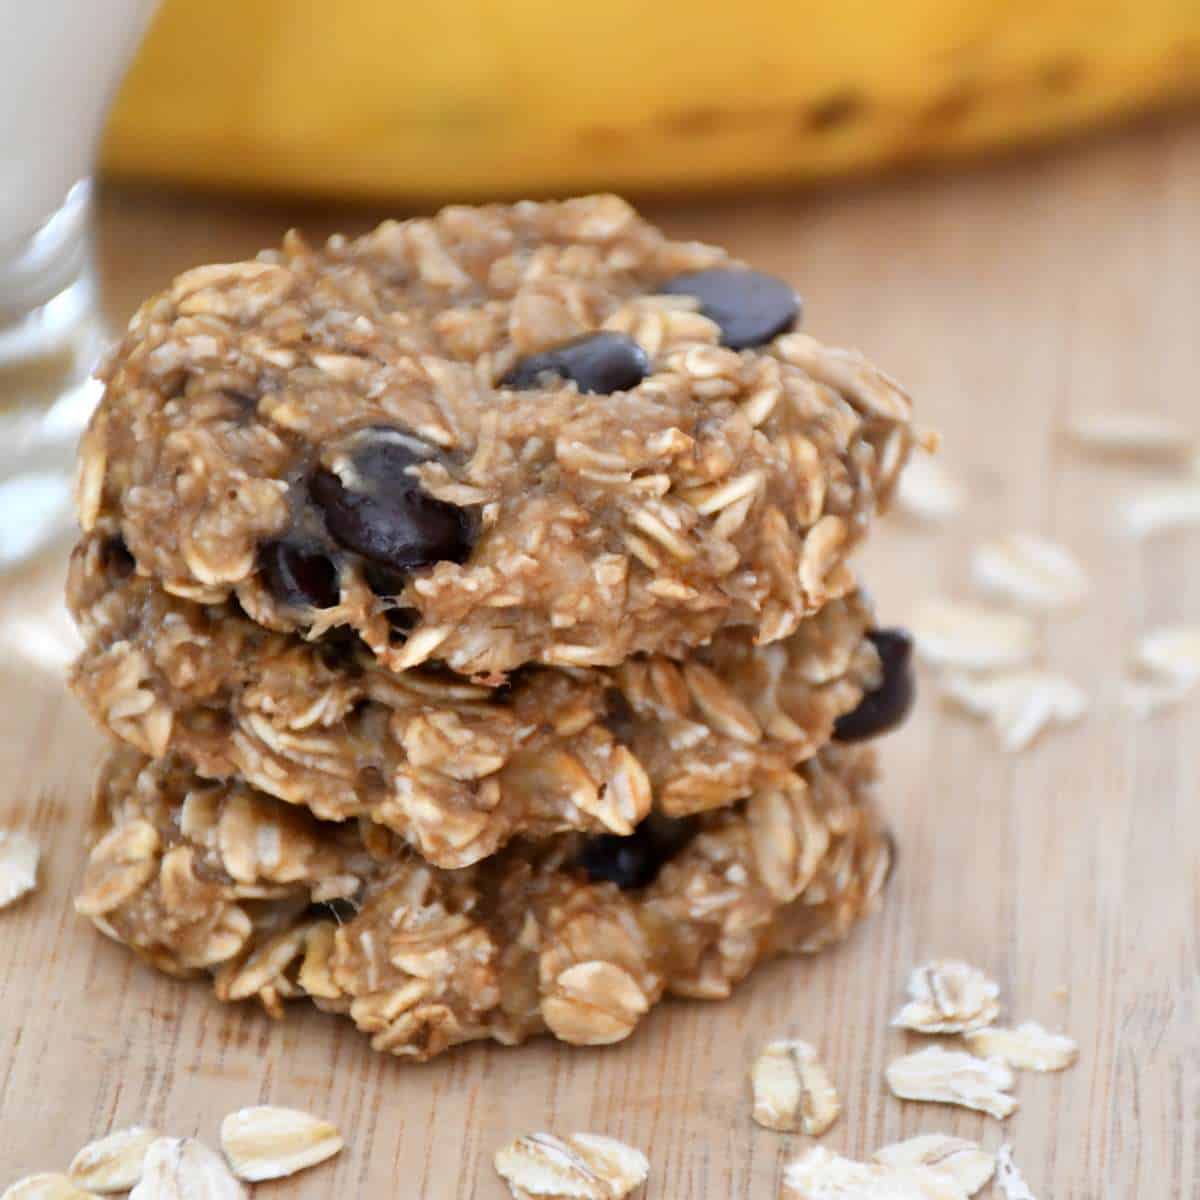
(275, 112)
(996, 200)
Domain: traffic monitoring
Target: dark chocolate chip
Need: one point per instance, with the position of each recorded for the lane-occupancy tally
(635, 861)
(881, 710)
(619, 718)
(383, 581)
(115, 557)
(381, 511)
(596, 362)
(298, 574)
(751, 308)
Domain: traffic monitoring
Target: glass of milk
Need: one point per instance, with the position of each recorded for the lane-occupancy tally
(60, 63)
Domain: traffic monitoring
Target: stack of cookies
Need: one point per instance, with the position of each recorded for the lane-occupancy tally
(469, 604)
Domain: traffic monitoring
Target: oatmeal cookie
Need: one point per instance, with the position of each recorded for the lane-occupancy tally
(456, 768)
(541, 433)
(557, 936)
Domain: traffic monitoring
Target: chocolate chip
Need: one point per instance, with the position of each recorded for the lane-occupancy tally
(881, 710)
(751, 308)
(383, 581)
(596, 362)
(380, 511)
(635, 861)
(298, 574)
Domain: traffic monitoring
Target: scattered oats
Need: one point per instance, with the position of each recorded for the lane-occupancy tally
(586, 1166)
(928, 491)
(792, 1089)
(18, 866)
(268, 1143)
(822, 1175)
(185, 1169)
(1032, 571)
(1009, 1180)
(1131, 433)
(1160, 507)
(948, 996)
(1029, 1046)
(113, 1163)
(967, 1163)
(1019, 705)
(953, 1077)
(46, 1186)
(1171, 653)
(1062, 992)
(972, 637)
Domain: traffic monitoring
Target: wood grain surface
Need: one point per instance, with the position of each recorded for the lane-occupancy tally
(1008, 297)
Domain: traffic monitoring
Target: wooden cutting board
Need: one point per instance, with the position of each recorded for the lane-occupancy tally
(1008, 297)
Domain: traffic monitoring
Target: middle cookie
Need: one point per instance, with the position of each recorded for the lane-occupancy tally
(454, 768)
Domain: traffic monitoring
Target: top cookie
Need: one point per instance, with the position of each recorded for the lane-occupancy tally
(541, 433)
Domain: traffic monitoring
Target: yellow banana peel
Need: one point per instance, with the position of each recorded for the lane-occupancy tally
(429, 99)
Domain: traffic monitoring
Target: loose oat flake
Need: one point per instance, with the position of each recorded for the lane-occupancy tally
(113, 1163)
(953, 1077)
(47, 1186)
(185, 1169)
(266, 1142)
(1032, 571)
(1160, 508)
(1130, 432)
(1019, 705)
(1171, 654)
(972, 637)
(822, 1175)
(18, 866)
(1009, 1180)
(967, 1163)
(586, 1166)
(948, 996)
(928, 491)
(792, 1089)
(1028, 1046)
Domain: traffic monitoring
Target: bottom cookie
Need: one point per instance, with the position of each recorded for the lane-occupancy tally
(220, 879)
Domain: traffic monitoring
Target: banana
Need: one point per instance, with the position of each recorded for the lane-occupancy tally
(429, 99)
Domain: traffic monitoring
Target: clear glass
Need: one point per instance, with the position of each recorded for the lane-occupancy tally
(60, 63)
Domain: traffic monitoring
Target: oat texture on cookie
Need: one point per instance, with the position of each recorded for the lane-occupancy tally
(497, 436)
(471, 607)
